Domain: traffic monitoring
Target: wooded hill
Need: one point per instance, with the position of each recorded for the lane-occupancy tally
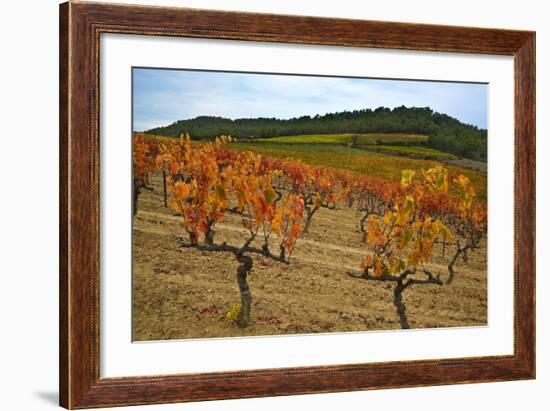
(445, 132)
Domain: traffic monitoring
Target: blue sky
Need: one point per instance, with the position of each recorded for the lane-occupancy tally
(164, 96)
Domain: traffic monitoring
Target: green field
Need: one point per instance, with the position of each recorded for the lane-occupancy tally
(358, 161)
(345, 139)
(412, 151)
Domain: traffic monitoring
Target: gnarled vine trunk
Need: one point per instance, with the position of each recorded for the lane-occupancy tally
(402, 282)
(399, 305)
(362, 227)
(135, 195)
(164, 191)
(309, 215)
(245, 266)
(451, 265)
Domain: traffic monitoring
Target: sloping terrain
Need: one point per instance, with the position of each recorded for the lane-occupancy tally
(185, 293)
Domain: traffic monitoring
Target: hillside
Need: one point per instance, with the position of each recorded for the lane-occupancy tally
(444, 132)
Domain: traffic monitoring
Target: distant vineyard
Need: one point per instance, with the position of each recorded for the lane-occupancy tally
(412, 151)
(366, 162)
(347, 138)
(400, 222)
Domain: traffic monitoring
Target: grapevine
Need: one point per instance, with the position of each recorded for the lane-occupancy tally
(204, 182)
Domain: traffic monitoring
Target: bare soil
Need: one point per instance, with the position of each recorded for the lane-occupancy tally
(185, 293)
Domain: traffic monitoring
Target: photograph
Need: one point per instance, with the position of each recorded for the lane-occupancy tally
(274, 204)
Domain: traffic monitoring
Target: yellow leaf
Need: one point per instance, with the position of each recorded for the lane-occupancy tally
(406, 177)
(277, 221)
(233, 314)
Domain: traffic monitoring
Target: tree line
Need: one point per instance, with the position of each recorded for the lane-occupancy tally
(445, 132)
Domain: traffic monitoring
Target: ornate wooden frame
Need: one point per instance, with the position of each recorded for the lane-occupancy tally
(80, 27)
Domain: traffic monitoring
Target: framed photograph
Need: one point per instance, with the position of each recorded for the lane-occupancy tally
(259, 205)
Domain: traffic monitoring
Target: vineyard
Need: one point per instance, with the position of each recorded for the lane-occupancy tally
(347, 138)
(360, 161)
(229, 242)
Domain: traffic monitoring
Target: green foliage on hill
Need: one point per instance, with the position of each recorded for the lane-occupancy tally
(445, 133)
